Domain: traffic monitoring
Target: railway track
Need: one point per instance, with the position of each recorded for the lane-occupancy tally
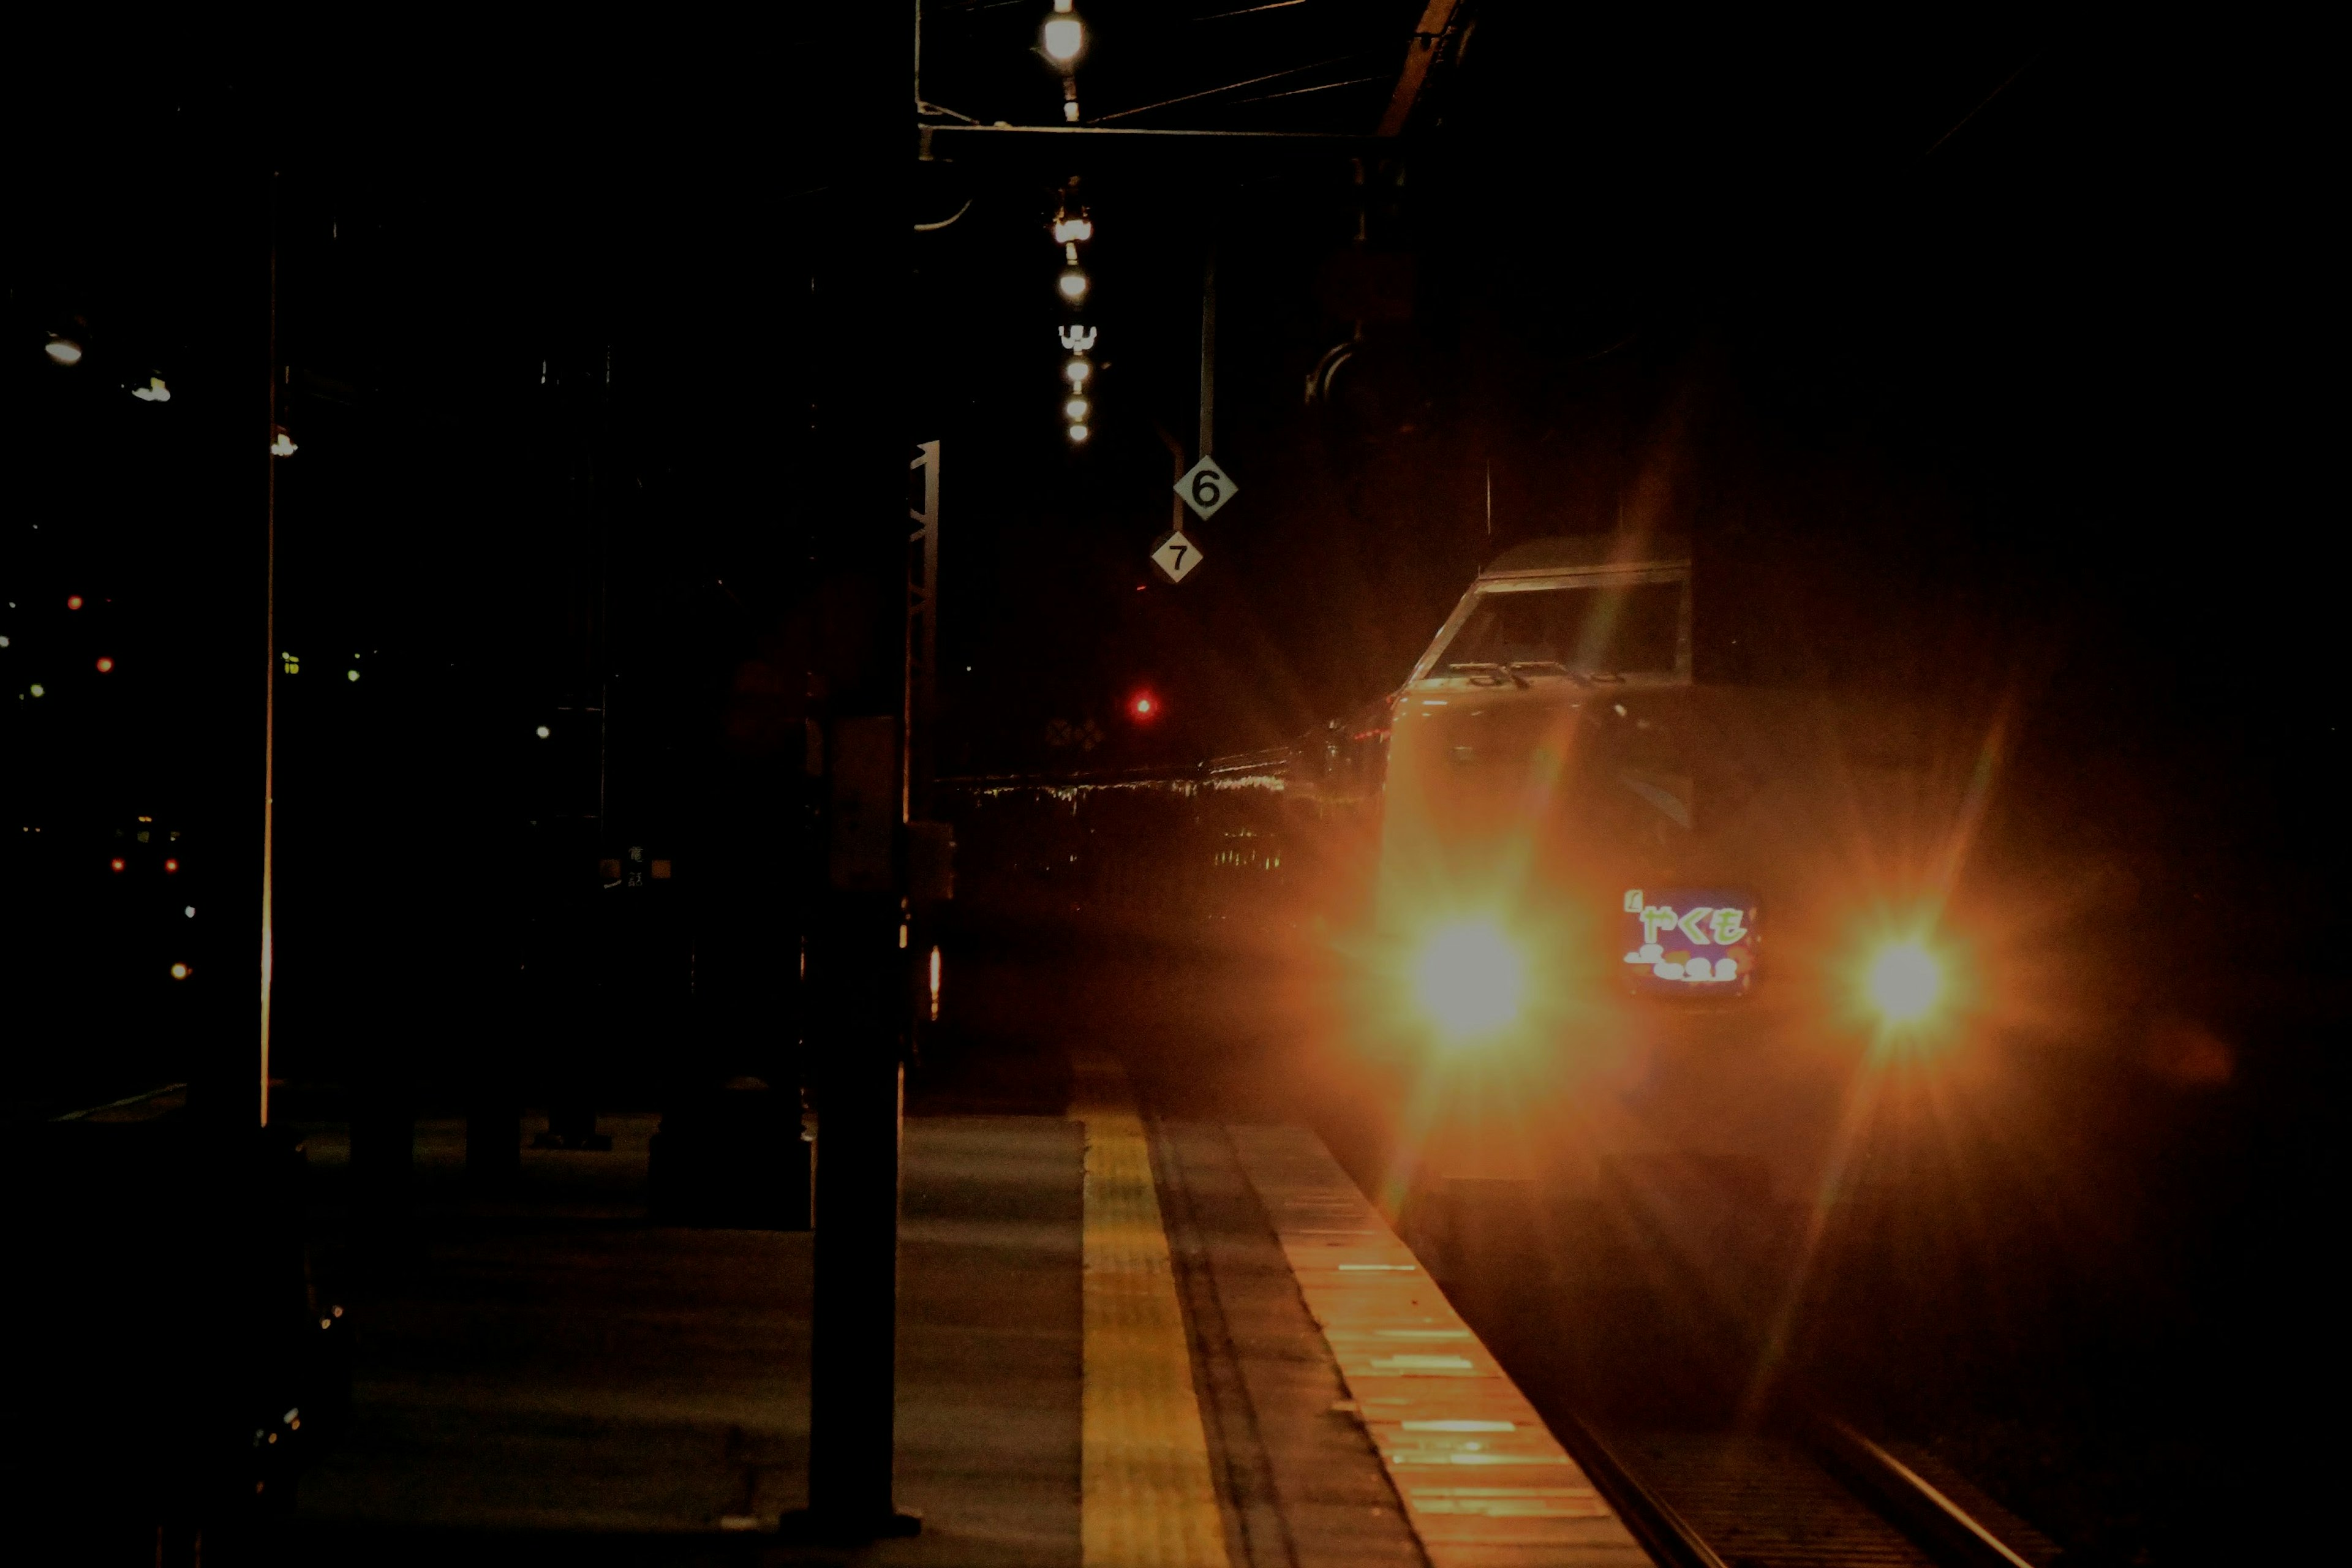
(1823, 1496)
(1638, 1382)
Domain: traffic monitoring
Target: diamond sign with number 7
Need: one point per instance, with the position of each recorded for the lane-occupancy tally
(1174, 556)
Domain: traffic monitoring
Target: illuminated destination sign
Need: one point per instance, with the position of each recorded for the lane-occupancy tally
(1689, 941)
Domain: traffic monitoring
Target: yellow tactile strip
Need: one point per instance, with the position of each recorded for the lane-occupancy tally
(1484, 1483)
(1146, 1497)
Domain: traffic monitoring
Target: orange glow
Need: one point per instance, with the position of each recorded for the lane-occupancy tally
(104, 664)
(935, 985)
(1144, 706)
(171, 864)
(116, 863)
(181, 972)
(73, 601)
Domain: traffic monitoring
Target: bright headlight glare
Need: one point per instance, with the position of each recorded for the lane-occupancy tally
(1064, 36)
(1470, 979)
(1904, 983)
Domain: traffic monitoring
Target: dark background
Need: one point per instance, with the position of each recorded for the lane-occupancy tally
(1984, 358)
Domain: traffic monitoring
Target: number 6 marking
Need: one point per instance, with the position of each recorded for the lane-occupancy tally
(1204, 489)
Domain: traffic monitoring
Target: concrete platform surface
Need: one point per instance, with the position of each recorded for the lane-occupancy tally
(1120, 1344)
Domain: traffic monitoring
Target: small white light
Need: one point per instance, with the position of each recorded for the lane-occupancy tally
(153, 392)
(283, 446)
(4, 640)
(1065, 36)
(1077, 435)
(1070, 111)
(190, 911)
(1078, 370)
(1073, 285)
(64, 351)
(1073, 230)
(1076, 409)
(351, 675)
(542, 732)
(38, 690)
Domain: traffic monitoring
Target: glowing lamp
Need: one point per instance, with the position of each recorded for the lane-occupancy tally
(153, 392)
(1904, 983)
(283, 446)
(1072, 284)
(104, 664)
(38, 690)
(1076, 408)
(542, 732)
(115, 864)
(73, 601)
(1144, 706)
(62, 349)
(1078, 434)
(351, 675)
(1469, 980)
(1073, 230)
(1078, 370)
(171, 866)
(180, 972)
(1065, 37)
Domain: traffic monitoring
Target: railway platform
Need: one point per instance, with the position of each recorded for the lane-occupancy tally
(1121, 1341)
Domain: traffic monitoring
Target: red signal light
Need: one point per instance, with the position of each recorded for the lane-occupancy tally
(1143, 707)
(115, 864)
(104, 664)
(171, 864)
(73, 601)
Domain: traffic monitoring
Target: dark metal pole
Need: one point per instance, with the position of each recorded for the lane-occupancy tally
(856, 960)
(270, 677)
(1208, 351)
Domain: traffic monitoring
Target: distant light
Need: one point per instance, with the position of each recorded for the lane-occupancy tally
(351, 675)
(63, 350)
(283, 446)
(104, 664)
(1076, 408)
(38, 690)
(1073, 285)
(73, 601)
(190, 911)
(180, 972)
(1065, 36)
(153, 392)
(542, 732)
(1070, 111)
(1078, 370)
(170, 866)
(1077, 433)
(935, 985)
(3, 640)
(115, 864)
(1073, 230)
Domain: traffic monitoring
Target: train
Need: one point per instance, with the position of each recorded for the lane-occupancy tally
(1614, 918)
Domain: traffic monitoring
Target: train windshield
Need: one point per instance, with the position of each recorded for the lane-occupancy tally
(1617, 630)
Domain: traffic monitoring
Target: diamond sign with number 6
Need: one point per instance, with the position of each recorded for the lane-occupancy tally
(1206, 486)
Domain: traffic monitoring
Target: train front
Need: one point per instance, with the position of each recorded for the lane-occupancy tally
(1623, 918)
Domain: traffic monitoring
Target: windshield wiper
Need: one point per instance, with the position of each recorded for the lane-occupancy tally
(1487, 667)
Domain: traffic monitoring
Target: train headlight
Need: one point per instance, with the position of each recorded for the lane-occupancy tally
(1904, 983)
(1470, 979)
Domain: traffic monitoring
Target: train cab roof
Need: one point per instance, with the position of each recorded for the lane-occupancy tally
(1582, 552)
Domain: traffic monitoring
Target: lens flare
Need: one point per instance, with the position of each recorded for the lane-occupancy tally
(1905, 981)
(1470, 979)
